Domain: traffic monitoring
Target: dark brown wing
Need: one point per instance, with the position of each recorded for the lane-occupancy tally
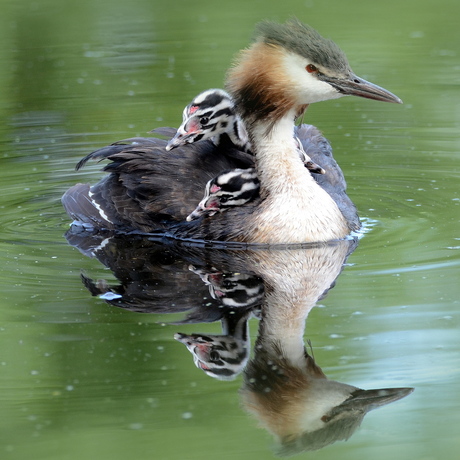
(147, 187)
(317, 147)
(119, 146)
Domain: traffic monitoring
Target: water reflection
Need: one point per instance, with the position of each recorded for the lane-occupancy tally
(283, 386)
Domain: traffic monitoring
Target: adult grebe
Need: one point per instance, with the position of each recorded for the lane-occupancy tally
(288, 67)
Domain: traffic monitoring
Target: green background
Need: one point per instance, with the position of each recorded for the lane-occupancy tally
(79, 379)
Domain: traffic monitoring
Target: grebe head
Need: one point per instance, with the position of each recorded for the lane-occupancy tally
(209, 115)
(291, 65)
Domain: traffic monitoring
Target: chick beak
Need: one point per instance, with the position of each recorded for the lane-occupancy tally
(186, 134)
(180, 139)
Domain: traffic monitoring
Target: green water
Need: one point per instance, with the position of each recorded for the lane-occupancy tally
(81, 379)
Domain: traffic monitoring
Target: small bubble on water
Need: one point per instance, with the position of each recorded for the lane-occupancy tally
(136, 426)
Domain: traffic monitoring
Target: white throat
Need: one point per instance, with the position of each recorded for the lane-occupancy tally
(295, 208)
(307, 86)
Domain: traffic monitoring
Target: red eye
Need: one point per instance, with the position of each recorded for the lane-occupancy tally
(311, 68)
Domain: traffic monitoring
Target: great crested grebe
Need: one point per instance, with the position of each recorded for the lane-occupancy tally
(287, 68)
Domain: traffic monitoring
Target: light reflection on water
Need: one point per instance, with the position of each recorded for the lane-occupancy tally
(83, 379)
(280, 378)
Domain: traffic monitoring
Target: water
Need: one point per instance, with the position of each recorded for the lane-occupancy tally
(84, 379)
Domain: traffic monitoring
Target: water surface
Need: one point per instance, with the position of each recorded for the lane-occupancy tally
(84, 379)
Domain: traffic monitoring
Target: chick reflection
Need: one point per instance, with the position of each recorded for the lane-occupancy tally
(222, 356)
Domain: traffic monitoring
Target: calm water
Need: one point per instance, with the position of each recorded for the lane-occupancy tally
(81, 378)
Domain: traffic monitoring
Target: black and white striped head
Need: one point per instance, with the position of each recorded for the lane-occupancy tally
(221, 357)
(209, 115)
(235, 187)
(233, 290)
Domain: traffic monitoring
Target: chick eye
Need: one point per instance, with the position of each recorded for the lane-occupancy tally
(311, 68)
(204, 120)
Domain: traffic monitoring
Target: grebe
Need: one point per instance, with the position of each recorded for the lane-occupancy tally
(211, 115)
(288, 67)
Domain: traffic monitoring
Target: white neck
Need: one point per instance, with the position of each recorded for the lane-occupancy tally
(294, 280)
(295, 208)
(284, 332)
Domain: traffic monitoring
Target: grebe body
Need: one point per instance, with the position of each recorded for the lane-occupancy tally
(151, 187)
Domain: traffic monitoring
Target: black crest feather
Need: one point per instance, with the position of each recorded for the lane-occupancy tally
(305, 41)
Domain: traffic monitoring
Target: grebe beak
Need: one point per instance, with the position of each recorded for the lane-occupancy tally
(357, 86)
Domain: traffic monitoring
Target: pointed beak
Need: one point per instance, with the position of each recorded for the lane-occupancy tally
(188, 132)
(180, 139)
(371, 399)
(356, 86)
(196, 214)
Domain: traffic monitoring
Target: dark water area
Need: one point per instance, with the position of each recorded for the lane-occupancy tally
(89, 363)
